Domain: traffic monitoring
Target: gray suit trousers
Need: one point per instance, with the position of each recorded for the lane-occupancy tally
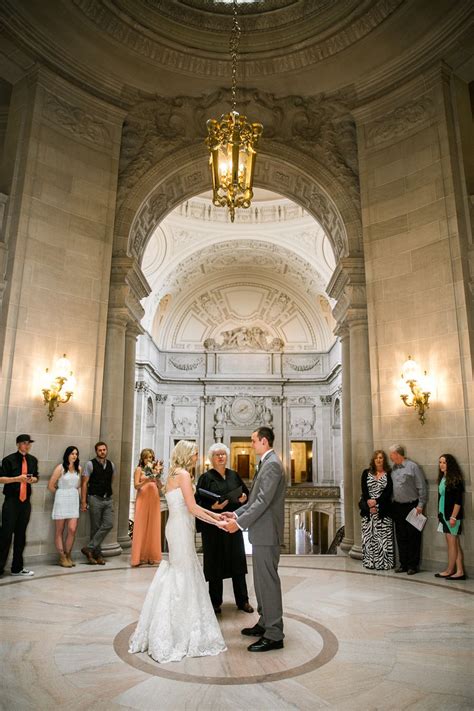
(101, 513)
(268, 590)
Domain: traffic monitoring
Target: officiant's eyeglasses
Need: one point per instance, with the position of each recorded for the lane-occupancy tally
(220, 454)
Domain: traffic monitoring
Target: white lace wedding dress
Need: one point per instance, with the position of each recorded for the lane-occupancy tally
(177, 619)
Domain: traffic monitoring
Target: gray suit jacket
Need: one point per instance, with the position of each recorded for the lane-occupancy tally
(264, 512)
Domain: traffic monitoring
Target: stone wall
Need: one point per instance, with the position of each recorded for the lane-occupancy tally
(60, 172)
(415, 245)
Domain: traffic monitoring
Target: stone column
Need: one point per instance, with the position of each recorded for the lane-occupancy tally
(361, 417)
(131, 333)
(347, 285)
(348, 540)
(127, 287)
(112, 413)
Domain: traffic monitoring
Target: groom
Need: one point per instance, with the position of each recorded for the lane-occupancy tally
(263, 515)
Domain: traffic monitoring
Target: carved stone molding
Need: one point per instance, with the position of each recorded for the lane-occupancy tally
(301, 400)
(399, 122)
(184, 420)
(320, 126)
(161, 399)
(76, 121)
(302, 421)
(199, 209)
(325, 399)
(186, 365)
(145, 29)
(245, 338)
(141, 386)
(313, 492)
(302, 366)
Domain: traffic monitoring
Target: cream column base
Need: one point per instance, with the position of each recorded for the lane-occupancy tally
(346, 544)
(111, 549)
(356, 552)
(125, 541)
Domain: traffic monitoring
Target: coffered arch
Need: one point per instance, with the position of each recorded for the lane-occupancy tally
(286, 170)
(232, 283)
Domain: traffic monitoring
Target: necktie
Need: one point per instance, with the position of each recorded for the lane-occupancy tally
(23, 485)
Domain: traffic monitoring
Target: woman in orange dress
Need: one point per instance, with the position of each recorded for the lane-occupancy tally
(146, 541)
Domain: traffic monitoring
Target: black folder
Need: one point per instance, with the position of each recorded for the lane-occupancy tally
(233, 495)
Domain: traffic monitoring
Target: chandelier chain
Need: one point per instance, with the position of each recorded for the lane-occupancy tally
(234, 51)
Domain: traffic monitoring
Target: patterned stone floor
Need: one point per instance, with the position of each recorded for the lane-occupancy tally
(354, 640)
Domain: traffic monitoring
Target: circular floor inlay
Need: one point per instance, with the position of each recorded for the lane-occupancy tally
(308, 646)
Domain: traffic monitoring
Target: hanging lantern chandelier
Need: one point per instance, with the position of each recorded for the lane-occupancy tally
(232, 142)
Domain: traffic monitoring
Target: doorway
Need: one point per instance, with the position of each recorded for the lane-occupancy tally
(242, 457)
(301, 452)
(311, 532)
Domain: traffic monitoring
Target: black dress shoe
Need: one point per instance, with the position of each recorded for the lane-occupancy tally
(451, 577)
(255, 631)
(246, 607)
(265, 645)
(412, 571)
(400, 569)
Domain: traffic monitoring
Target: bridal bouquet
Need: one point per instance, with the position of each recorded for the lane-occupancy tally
(149, 472)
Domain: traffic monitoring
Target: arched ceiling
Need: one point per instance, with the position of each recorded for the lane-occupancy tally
(117, 48)
(269, 269)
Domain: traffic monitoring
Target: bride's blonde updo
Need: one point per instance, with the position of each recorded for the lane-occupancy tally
(181, 456)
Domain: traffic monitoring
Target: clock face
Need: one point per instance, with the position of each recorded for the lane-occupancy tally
(243, 410)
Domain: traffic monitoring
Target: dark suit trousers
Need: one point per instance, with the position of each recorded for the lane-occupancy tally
(240, 590)
(408, 537)
(267, 585)
(15, 518)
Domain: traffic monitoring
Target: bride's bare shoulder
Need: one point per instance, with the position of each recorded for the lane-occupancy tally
(182, 473)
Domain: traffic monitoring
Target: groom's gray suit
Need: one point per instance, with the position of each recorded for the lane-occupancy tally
(264, 516)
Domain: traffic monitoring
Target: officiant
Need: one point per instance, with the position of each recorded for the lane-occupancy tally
(221, 489)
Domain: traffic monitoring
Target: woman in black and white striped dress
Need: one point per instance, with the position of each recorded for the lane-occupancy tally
(375, 504)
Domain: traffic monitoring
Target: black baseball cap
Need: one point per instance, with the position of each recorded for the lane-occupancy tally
(24, 438)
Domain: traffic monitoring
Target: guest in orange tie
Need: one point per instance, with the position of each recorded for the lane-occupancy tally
(19, 472)
(146, 541)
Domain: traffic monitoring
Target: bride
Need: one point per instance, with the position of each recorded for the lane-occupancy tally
(177, 619)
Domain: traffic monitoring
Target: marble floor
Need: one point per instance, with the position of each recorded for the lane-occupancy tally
(354, 640)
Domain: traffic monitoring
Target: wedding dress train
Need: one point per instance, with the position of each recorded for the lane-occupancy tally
(177, 619)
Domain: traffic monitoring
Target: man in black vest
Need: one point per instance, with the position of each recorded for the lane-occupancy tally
(19, 472)
(96, 494)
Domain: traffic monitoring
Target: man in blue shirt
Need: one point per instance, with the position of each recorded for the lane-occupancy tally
(409, 492)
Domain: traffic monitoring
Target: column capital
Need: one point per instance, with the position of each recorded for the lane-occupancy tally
(347, 286)
(134, 330)
(128, 286)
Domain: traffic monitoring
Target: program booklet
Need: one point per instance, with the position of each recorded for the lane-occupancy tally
(416, 520)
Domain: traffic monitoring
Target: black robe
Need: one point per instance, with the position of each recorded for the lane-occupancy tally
(224, 553)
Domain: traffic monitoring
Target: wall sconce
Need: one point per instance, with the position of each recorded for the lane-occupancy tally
(58, 386)
(415, 388)
(207, 464)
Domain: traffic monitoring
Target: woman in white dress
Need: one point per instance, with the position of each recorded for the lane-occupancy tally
(65, 483)
(177, 619)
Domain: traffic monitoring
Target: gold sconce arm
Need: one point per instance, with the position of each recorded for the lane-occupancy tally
(58, 389)
(415, 391)
(419, 400)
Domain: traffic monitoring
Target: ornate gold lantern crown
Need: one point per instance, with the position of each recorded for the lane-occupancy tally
(232, 144)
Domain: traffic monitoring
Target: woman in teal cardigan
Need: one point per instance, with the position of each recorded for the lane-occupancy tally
(450, 514)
